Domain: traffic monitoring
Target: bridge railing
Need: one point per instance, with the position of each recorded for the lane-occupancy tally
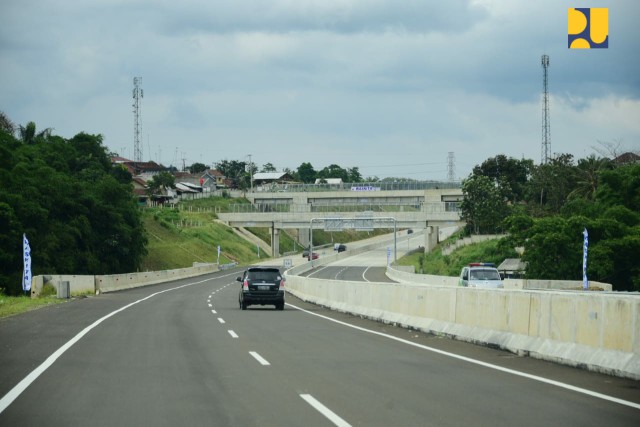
(434, 207)
(360, 186)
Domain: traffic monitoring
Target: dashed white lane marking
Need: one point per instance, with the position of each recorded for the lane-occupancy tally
(214, 312)
(210, 305)
(478, 362)
(221, 320)
(233, 334)
(335, 419)
(259, 358)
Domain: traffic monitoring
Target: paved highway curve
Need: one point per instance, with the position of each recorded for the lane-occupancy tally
(182, 353)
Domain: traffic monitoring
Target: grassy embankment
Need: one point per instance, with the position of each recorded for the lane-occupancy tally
(450, 265)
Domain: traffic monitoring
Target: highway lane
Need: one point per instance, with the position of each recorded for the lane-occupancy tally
(190, 356)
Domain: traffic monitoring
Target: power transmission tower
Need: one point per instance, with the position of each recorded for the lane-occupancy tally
(137, 95)
(546, 126)
(451, 166)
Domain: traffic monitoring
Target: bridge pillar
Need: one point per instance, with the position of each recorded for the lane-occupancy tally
(303, 237)
(275, 242)
(431, 237)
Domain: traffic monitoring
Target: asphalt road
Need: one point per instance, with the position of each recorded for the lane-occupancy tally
(183, 353)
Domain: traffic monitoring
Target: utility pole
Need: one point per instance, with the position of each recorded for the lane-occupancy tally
(250, 166)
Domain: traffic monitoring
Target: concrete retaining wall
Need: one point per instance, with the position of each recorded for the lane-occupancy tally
(596, 330)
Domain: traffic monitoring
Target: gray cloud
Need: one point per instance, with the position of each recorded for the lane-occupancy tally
(351, 82)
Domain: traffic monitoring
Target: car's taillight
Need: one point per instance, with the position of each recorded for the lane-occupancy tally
(282, 285)
(245, 285)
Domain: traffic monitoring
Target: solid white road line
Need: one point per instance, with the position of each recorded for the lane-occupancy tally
(233, 334)
(365, 272)
(13, 394)
(259, 358)
(478, 362)
(325, 411)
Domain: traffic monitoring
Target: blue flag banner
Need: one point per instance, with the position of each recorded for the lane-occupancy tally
(585, 249)
(26, 275)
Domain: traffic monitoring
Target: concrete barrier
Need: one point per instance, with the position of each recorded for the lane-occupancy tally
(116, 282)
(78, 284)
(595, 330)
(407, 277)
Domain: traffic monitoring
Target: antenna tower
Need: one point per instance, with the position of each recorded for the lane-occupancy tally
(451, 166)
(137, 95)
(546, 129)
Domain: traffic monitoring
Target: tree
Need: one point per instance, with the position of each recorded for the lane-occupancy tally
(334, 171)
(484, 206)
(354, 175)
(161, 181)
(197, 167)
(306, 173)
(236, 171)
(512, 173)
(28, 133)
(587, 177)
(551, 183)
(64, 195)
(268, 167)
(6, 124)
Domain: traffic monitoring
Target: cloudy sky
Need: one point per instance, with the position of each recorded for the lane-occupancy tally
(389, 86)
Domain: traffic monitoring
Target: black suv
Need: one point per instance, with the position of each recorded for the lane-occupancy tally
(261, 285)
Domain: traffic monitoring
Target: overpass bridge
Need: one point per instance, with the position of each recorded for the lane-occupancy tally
(426, 209)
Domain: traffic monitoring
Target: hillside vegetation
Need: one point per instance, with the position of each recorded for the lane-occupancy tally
(435, 263)
(178, 237)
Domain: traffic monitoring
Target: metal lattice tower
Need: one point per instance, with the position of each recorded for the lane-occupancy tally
(137, 95)
(546, 127)
(451, 166)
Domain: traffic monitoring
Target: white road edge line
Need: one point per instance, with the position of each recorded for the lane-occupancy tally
(365, 272)
(335, 419)
(317, 271)
(13, 394)
(259, 358)
(478, 362)
(233, 334)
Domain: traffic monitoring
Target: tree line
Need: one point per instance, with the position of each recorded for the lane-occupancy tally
(240, 172)
(545, 209)
(76, 209)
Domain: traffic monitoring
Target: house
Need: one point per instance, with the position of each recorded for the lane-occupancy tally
(145, 169)
(268, 178)
(214, 179)
(330, 181)
(627, 159)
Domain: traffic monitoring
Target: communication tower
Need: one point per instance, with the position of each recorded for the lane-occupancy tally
(137, 95)
(546, 127)
(451, 166)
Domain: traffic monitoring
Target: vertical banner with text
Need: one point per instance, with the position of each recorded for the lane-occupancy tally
(585, 249)
(26, 274)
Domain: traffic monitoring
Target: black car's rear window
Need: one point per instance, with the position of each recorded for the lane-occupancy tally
(264, 275)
